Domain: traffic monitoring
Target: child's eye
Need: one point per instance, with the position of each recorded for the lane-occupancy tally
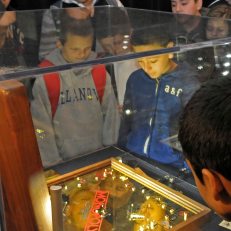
(220, 31)
(75, 49)
(184, 3)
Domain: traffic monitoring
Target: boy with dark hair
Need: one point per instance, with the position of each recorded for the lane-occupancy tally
(83, 120)
(155, 95)
(205, 131)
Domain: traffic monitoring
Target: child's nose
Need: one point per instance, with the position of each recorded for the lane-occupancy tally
(147, 65)
(82, 54)
(178, 8)
(213, 33)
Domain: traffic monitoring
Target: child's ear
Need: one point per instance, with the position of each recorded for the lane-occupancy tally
(199, 4)
(213, 183)
(59, 44)
(169, 45)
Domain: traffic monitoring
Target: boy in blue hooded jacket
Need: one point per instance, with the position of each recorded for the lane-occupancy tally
(154, 98)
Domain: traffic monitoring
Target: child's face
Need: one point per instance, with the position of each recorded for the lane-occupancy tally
(190, 7)
(108, 44)
(217, 28)
(6, 2)
(76, 48)
(154, 66)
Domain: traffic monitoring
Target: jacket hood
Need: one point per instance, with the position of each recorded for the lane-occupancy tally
(57, 59)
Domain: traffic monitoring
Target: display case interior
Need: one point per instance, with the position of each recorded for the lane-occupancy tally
(102, 81)
(110, 195)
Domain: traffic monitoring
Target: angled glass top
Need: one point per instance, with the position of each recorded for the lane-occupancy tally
(28, 36)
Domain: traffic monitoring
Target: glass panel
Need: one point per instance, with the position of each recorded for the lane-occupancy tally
(25, 43)
(119, 78)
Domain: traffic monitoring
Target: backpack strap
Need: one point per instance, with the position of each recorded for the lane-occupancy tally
(99, 77)
(52, 83)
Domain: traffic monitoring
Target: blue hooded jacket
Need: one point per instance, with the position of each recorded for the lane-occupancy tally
(151, 112)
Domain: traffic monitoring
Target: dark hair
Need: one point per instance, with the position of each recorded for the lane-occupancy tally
(205, 128)
(110, 22)
(220, 10)
(73, 26)
(151, 35)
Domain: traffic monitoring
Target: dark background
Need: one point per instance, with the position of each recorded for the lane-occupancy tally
(162, 5)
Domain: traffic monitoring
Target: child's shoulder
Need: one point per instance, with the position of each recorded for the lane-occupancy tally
(185, 74)
(184, 68)
(135, 75)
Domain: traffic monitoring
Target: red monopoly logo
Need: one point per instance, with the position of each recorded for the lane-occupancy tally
(95, 216)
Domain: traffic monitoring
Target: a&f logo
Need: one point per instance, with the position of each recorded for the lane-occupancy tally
(172, 90)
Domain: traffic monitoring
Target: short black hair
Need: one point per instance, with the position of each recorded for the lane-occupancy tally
(74, 26)
(111, 22)
(158, 34)
(205, 128)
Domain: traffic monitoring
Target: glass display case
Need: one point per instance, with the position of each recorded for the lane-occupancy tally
(110, 195)
(80, 86)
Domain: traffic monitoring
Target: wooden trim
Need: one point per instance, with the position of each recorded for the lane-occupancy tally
(78, 172)
(19, 156)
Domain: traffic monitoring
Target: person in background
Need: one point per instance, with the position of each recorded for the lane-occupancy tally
(155, 95)
(113, 32)
(218, 27)
(187, 7)
(15, 50)
(51, 19)
(83, 120)
(184, 10)
(189, 29)
(205, 131)
(12, 47)
(190, 7)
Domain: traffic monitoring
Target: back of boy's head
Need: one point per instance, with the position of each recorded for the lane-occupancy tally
(221, 9)
(151, 35)
(82, 28)
(205, 128)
